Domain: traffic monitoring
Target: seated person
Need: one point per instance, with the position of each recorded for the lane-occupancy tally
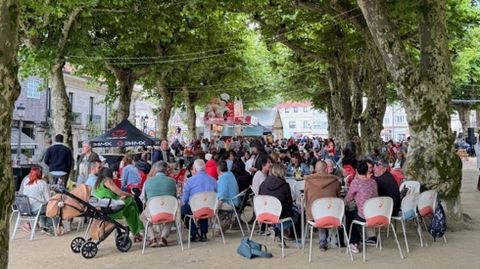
(130, 174)
(361, 189)
(297, 168)
(227, 187)
(93, 169)
(386, 184)
(321, 185)
(276, 186)
(199, 182)
(106, 188)
(261, 175)
(244, 179)
(38, 193)
(158, 185)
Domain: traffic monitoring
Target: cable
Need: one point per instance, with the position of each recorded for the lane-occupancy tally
(174, 60)
(273, 38)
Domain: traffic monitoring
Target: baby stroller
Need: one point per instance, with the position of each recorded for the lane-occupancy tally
(68, 205)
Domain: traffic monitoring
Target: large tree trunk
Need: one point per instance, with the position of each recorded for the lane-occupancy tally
(62, 112)
(9, 91)
(426, 95)
(126, 79)
(166, 108)
(477, 119)
(371, 120)
(189, 101)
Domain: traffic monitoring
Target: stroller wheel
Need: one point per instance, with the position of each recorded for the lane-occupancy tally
(76, 244)
(123, 242)
(89, 250)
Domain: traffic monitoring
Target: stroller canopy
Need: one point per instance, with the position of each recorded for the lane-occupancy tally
(124, 135)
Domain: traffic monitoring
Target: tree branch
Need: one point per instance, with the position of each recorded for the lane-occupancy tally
(297, 49)
(67, 27)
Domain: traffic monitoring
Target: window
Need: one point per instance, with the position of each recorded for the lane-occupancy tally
(295, 109)
(91, 109)
(386, 120)
(292, 124)
(306, 124)
(399, 118)
(305, 109)
(33, 86)
(287, 110)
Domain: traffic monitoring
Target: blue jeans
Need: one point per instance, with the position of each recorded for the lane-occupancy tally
(186, 210)
(288, 224)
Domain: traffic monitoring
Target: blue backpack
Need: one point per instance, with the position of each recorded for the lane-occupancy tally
(439, 222)
(251, 249)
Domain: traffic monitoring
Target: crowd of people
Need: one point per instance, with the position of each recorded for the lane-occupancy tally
(228, 167)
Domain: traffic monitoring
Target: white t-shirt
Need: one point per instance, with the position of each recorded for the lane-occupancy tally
(38, 193)
(257, 180)
(249, 164)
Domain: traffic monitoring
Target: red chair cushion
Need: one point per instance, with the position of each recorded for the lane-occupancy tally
(426, 211)
(268, 218)
(327, 222)
(204, 213)
(377, 221)
(162, 218)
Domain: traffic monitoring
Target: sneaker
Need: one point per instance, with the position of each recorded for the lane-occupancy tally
(266, 232)
(47, 232)
(279, 240)
(354, 248)
(372, 241)
(26, 227)
(163, 242)
(323, 248)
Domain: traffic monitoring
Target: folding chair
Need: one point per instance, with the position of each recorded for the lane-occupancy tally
(328, 213)
(378, 213)
(22, 203)
(238, 211)
(267, 210)
(162, 210)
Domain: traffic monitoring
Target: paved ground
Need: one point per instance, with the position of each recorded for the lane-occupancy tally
(460, 252)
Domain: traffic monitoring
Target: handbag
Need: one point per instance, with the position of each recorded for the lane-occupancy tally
(251, 249)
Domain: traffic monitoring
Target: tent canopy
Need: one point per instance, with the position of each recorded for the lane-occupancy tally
(124, 135)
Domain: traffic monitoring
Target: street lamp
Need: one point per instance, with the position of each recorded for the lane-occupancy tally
(21, 113)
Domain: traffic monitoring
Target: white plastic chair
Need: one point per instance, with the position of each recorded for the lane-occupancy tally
(427, 203)
(22, 204)
(204, 206)
(162, 210)
(411, 185)
(378, 213)
(291, 182)
(328, 213)
(230, 201)
(297, 190)
(268, 210)
(408, 212)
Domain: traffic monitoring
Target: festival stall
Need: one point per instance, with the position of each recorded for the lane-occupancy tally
(224, 117)
(124, 135)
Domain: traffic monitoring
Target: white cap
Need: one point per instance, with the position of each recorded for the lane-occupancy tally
(208, 156)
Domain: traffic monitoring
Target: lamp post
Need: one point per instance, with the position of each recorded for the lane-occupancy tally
(21, 113)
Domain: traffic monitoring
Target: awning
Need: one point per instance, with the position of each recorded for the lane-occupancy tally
(26, 141)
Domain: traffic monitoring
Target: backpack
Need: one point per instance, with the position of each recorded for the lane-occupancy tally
(439, 223)
(251, 249)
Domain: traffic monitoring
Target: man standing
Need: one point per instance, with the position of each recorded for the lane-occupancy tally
(199, 182)
(162, 153)
(387, 186)
(87, 155)
(321, 185)
(59, 158)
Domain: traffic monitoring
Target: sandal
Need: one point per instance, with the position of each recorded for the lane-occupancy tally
(153, 243)
(138, 238)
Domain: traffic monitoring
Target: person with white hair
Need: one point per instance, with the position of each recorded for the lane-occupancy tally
(199, 182)
(83, 160)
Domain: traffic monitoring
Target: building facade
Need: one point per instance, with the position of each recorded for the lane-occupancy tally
(301, 119)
